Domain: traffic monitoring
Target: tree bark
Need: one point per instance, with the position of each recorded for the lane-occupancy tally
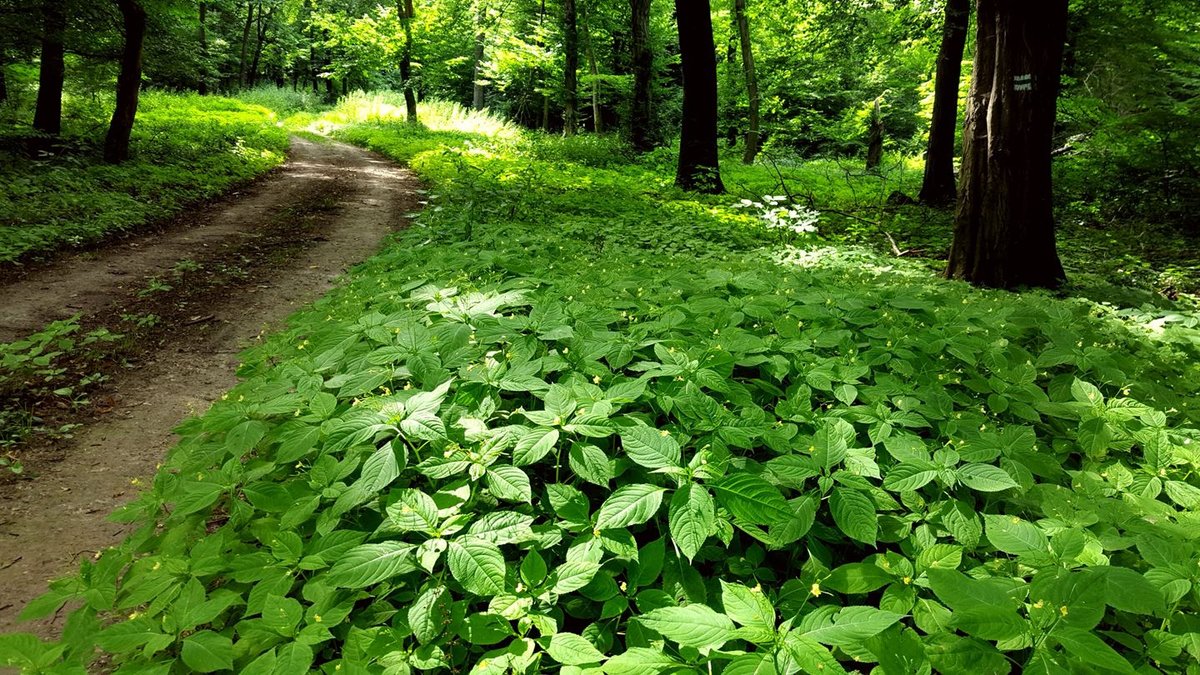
(750, 152)
(1004, 221)
(641, 115)
(571, 68)
(260, 38)
(202, 85)
(47, 116)
(245, 44)
(875, 138)
(938, 186)
(407, 13)
(129, 82)
(699, 169)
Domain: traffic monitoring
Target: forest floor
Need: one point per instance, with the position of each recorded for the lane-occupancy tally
(203, 289)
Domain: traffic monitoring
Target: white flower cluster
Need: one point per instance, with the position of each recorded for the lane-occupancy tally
(778, 215)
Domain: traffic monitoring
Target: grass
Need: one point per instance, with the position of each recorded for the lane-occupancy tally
(185, 148)
(574, 419)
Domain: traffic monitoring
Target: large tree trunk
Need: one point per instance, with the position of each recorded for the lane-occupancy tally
(263, 25)
(1004, 222)
(641, 116)
(245, 44)
(750, 152)
(129, 82)
(938, 186)
(698, 164)
(47, 116)
(202, 85)
(410, 95)
(571, 68)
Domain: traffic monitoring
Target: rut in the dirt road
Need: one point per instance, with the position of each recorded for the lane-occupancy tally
(48, 522)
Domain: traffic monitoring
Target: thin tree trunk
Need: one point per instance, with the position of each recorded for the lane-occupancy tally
(264, 23)
(571, 68)
(129, 82)
(750, 152)
(875, 138)
(47, 116)
(410, 96)
(698, 163)
(245, 44)
(597, 117)
(202, 85)
(1004, 222)
(641, 117)
(938, 185)
(3, 81)
(477, 64)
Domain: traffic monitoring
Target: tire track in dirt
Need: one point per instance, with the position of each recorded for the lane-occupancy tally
(49, 521)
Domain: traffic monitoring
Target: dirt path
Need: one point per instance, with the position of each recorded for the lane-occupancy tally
(325, 210)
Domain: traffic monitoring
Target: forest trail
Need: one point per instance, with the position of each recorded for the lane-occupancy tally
(294, 232)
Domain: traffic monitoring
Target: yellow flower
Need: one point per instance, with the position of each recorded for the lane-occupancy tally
(816, 590)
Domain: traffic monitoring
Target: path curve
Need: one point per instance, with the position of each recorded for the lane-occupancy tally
(49, 522)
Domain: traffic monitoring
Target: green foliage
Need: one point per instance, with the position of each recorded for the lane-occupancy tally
(573, 419)
(186, 148)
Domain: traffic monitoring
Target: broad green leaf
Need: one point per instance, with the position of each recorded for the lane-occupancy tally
(809, 656)
(590, 463)
(752, 499)
(629, 505)
(758, 663)
(905, 477)
(477, 565)
(747, 606)
(573, 575)
(985, 478)
(429, 614)
(371, 563)
(692, 517)
(207, 652)
(1013, 535)
(650, 447)
(857, 578)
(641, 661)
(691, 625)
(852, 625)
(1088, 648)
(534, 445)
(573, 650)
(854, 513)
(509, 483)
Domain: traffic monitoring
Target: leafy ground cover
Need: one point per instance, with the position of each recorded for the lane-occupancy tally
(186, 148)
(576, 420)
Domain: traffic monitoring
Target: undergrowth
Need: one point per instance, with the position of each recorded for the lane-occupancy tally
(574, 420)
(185, 148)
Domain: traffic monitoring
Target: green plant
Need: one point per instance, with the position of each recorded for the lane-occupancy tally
(614, 429)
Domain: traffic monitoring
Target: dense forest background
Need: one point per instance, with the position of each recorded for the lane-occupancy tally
(827, 73)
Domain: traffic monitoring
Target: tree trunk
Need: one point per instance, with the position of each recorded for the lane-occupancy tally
(641, 116)
(698, 164)
(597, 121)
(938, 185)
(571, 68)
(875, 138)
(3, 81)
(477, 64)
(245, 44)
(1004, 221)
(410, 95)
(202, 85)
(47, 116)
(260, 34)
(129, 82)
(750, 152)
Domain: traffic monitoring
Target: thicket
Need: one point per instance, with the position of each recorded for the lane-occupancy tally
(574, 419)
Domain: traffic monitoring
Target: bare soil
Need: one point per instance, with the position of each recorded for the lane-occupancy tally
(235, 270)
